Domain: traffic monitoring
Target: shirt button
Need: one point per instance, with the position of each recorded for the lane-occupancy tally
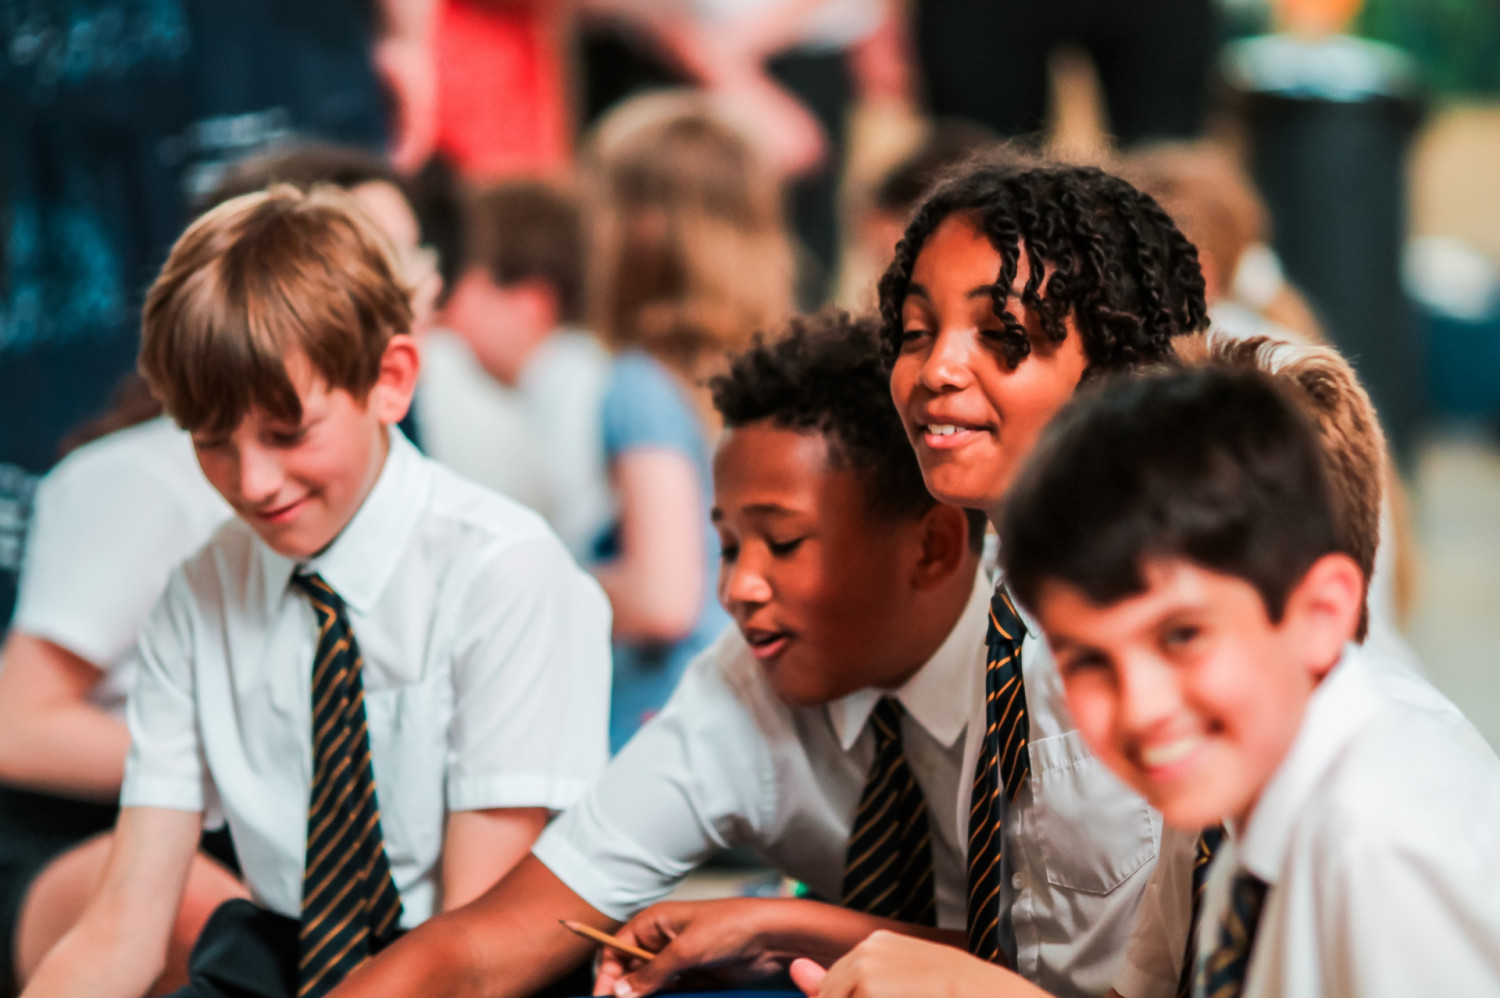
(1017, 880)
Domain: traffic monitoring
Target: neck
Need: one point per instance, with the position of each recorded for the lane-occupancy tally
(932, 620)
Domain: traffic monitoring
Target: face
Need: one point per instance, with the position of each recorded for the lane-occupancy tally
(298, 485)
(972, 417)
(1188, 691)
(816, 584)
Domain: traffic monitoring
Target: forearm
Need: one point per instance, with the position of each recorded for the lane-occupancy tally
(95, 960)
(75, 750)
(407, 20)
(825, 932)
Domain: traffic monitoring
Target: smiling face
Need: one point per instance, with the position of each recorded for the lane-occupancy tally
(971, 416)
(299, 484)
(1188, 691)
(819, 586)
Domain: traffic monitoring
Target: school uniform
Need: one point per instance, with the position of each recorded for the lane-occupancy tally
(727, 763)
(485, 675)
(1158, 947)
(1077, 845)
(111, 521)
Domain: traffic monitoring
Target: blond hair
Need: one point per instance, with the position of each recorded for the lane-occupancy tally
(1325, 387)
(691, 253)
(258, 279)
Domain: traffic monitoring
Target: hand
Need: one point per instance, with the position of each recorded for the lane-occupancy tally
(721, 937)
(409, 74)
(890, 965)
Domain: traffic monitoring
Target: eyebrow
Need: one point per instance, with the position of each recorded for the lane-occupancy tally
(716, 514)
(978, 291)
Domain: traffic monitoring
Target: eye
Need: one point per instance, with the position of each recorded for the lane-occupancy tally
(1084, 663)
(209, 443)
(911, 335)
(728, 552)
(289, 438)
(782, 549)
(1013, 345)
(1181, 636)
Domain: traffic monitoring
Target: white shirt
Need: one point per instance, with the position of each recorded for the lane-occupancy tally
(728, 763)
(541, 442)
(1158, 943)
(110, 522)
(486, 676)
(1079, 844)
(1379, 834)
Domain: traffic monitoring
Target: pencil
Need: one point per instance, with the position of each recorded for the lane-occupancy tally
(604, 939)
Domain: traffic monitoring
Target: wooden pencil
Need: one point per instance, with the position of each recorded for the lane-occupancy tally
(604, 938)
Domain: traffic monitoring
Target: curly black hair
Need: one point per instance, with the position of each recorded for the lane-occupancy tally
(1118, 264)
(826, 373)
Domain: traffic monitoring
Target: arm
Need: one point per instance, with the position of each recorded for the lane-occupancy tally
(480, 847)
(504, 945)
(742, 939)
(656, 585)
(888, 965)
(51, 737)
(403, 59)
(118, 947)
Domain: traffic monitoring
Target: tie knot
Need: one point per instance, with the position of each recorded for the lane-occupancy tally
(1005, 623)
(885, 720)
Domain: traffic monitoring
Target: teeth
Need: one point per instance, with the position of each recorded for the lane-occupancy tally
(1165, 755)
(942, 429)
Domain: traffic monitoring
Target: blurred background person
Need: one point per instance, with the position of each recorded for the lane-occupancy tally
(512, 386)
(690, 258)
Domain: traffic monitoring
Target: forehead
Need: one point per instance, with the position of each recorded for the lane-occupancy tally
(958, 253)
(1172, 586)
(764, 465)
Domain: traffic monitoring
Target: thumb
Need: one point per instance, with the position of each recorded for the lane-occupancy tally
(808, 976)
(654, 974)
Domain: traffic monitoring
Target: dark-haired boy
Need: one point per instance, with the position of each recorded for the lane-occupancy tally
(1176, 538)
(367, 617)
(855, 596)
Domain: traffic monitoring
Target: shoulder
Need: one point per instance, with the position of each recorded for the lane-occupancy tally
(152, 461)
(459, 506)
(645, 405)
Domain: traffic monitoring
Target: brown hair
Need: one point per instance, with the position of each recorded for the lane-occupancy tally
(528, 229)
(691, 252)
(1327, 390)
(260, 278)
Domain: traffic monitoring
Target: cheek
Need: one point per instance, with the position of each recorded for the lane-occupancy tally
(1092, 703)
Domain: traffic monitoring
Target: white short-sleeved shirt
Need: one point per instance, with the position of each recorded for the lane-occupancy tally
(486, 676)
(1158, 943)
(728, 763)
(1079, 844)
(541, 442)
(1379, 835)
(110, 522)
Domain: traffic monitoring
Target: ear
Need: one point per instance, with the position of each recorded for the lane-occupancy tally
(1323, 608)
(944, 535)
(399, 367)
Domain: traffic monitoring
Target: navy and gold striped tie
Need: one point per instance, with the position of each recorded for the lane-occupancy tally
(1203, 855)
(1222, 975)
(1004, 764)
(350, 905)
(888, 866)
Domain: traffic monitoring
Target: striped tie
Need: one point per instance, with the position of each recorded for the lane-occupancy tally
(888, 867)
(1222, 975)
(350, 905)
(1004, 764)
(1208, 844)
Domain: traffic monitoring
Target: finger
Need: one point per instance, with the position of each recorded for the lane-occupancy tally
(608, 973)
(808, 976)
(655, 974)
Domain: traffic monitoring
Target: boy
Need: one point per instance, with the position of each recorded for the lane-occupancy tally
(855, 596)
(1200, 599)
(539, 380)
(366, 612)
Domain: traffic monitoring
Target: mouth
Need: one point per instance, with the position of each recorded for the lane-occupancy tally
(282, 513)
(766, 644)
(1165, 761)
(948, 436)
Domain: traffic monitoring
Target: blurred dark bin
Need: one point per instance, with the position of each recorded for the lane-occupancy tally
(1329, 126)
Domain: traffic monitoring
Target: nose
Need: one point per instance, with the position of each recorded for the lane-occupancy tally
(1148, 694)
(743, 584)
(260, 476)
(946, 365)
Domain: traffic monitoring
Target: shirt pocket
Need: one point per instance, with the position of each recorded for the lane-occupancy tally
(408, 748)
(1093, 831)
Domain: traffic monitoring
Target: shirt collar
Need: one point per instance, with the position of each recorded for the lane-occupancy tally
(359, 562)
(1340, 707)
(939, 696)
